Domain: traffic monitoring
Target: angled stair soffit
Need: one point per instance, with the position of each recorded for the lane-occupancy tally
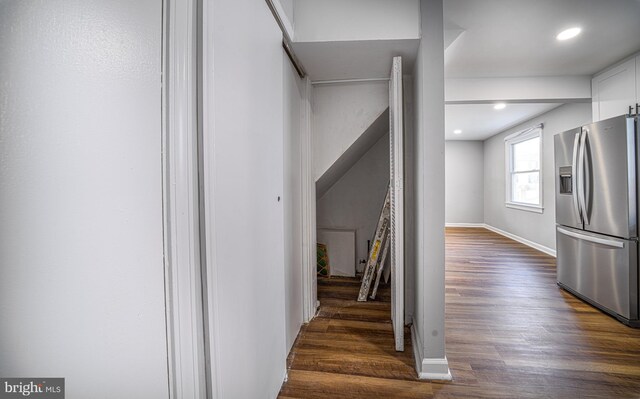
(353, 154)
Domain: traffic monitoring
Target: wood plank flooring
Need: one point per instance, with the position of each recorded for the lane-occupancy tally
(510, 333)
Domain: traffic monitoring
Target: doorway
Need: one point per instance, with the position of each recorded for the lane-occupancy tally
(358, 143)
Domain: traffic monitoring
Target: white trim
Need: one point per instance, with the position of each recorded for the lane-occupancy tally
(524, 207)
(428, 369)
(521, 240)
(396, 199)
(417, 348)
(526, 134)
(474, 225)
(186, 358)
(309, 291)
(284, 19)
(212, 325)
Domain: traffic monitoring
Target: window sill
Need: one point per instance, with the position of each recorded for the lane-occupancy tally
(524, 207)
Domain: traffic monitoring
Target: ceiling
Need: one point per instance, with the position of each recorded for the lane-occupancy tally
(508, 38)
(481, 121)
(496, 38)
(516, 38)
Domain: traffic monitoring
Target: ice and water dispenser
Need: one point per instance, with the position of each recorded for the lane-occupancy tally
(565, 179)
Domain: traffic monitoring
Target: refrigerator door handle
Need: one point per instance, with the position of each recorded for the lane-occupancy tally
(581, 182)
(597, 240)
(576, 176)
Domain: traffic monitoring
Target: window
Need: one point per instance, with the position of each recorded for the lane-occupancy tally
(523, 152)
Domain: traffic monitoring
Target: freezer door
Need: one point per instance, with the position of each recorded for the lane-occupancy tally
(566, 147)
(602, 269)
(607, 194)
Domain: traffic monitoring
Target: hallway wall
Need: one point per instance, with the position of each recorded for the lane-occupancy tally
(81, 228)
(464, 181)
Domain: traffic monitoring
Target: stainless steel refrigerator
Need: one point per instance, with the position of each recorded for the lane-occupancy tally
(597, 215)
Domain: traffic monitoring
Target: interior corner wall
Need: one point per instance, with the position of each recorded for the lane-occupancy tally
(464, 182)
(536, 227)
(355, 200)
(294, 94)
(81, 226)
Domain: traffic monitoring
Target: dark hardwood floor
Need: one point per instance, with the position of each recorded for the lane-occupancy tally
(510, 333)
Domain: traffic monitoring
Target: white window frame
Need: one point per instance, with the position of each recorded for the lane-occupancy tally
(509, 141)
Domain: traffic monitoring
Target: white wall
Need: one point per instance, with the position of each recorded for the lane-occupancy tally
(464, 181)
(341, 248)
(428, 326)
(354, 202)
(287, 7)
(294, 94)
(244, 172)
(536, 227)
(81, 244)
(341, 113)
(339, 20)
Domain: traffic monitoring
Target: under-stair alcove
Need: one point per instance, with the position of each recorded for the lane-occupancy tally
(351, 168)
(350, 195)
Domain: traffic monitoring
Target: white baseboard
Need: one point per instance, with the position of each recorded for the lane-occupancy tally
(524, 241)
(428, 369)
(512, 236)
(478, 225)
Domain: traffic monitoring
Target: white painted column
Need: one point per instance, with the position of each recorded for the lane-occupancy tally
(310, 290)
(428, 330)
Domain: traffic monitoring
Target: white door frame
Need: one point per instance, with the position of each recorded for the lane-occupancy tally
(396, 152)
(309, 274)
(186, 349)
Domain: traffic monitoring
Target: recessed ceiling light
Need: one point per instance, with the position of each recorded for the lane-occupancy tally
(457, 131)
(499, 106)
(569, 33)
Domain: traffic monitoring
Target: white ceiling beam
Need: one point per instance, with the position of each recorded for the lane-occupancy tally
(547, 89)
